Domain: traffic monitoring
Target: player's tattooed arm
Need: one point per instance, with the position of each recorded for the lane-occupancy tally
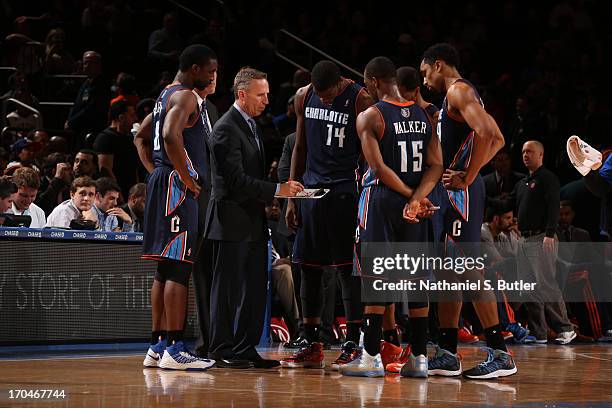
(142, 141)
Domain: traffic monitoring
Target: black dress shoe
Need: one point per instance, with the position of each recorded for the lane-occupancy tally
(263, 363)
(230, 363)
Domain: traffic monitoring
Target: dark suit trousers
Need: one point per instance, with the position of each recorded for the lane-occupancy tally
(202, 277)
(238, 298)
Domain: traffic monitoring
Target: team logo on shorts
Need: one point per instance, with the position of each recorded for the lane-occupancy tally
(405, 112)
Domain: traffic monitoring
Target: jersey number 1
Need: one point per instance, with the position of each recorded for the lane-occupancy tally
(417, 147)
(339, 134)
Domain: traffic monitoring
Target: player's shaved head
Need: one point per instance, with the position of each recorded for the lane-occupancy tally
(381, 68)
(325, 74)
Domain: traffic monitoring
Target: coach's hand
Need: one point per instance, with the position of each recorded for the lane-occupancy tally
(290, 189)
(291, 216)
(454, 180)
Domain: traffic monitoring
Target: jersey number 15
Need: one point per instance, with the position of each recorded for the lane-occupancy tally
(417, 148)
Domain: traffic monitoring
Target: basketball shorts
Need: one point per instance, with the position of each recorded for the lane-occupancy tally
(381, 221)
(462, 213)
(170, 219)
(327, 232)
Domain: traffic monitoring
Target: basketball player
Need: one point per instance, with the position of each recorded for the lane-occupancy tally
(171, 210)
(470, 138)
(408, 82)
(326, 155)
(405, 163)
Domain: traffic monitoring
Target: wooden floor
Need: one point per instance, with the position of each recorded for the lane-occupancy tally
(552, 376)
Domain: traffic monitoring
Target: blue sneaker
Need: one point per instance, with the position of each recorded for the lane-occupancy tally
(519, 333)
(444, 363)
(498, 364)
(364, 366)
(154, 354)
(176, 357)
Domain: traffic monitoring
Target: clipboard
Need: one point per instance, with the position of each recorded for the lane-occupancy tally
(310, 193)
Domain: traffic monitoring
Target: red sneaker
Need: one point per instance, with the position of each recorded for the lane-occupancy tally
(465, 336)
(310, 356)
(350, 352)
(389, 352)
(396, 365)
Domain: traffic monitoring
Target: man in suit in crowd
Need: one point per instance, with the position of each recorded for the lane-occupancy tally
(501, 181)
(236, 224)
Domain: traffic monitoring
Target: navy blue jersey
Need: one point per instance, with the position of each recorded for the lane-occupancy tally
(331, 138)
(193, 137)
(456, 138)
(403, 145)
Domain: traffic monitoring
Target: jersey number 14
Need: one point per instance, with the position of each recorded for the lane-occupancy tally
(339, 133)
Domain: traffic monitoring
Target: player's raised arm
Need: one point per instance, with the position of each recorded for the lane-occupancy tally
(370, 129)
(488, 139)
(142, 141)
(183, 104)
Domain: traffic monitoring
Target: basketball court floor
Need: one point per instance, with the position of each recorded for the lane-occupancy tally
(549, 376)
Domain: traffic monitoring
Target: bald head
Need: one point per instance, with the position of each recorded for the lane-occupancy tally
(92, 64)
(533, 155)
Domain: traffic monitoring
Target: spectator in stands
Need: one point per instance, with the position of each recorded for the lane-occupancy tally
(24, 152)
(90, 110)
(55, 182)
(125, 89)
(28, 183)
(42, 137)
(144, 107)
(85, 164)
(7, 192)
(58, 59)
(282, 277)
(285, 123)
(166, 44)
(135, 205)
(500, 235)
(4, 159)
(567, 232)
(502, 180)
(22, 117)
(82, 194)
(58, 144)
(117, 155)
(108, 215)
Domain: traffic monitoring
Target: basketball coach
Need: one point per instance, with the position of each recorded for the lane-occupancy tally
(236, 225)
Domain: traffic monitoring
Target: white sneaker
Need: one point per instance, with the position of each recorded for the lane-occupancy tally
(541, 341)
(565, 337)
(176, 357)
(364, 366)
(607, 336)
(154, 355)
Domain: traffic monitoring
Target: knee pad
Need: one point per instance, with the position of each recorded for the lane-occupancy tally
(178, 272)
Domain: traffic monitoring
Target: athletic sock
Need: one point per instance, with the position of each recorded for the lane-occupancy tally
(495, 339)
(157, 336)
(371, 328)
(391, 336)
(174, 336)
(353, 331)
(311, 332)
(418, 326)
(447, 339)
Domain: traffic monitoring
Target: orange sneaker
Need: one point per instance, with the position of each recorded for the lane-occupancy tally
(389, 352)
(465, 336)
(396, 365)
